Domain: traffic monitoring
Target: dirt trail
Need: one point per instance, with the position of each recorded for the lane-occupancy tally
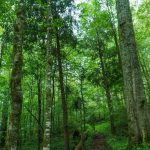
(99, 143)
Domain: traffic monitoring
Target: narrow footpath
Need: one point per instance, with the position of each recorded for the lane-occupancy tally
(100, 143)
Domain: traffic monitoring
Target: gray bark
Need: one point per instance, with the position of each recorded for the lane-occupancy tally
(138, 117)
(48, 124)
(13, 136)
(63, 96)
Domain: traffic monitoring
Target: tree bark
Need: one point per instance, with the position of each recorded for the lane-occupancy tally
(39, 111)
(48, 115)
(82, 99)
(138, 117)
(16, 77)
(63, 96)
(3, 127)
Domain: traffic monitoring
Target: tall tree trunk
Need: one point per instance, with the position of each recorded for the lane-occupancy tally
(63, 96)
(138, 117)
(106, 85)
(3, 126)
(39, 111)
(53, 100)
(30, 107)
(48, 124)
(16, 76)
(82, 99)
(47, 133)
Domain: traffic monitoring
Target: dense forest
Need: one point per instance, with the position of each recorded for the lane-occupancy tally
(74, 75)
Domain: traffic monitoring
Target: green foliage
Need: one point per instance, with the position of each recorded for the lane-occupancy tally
(115, 142)
(82, 32)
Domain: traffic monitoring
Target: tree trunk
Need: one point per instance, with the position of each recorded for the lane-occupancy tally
(106, 86)
(30, 107)
(138, 117)
(3, 127)
(48, 124)
(16, 76)
(46, 143)
(39, 111)
(53, 100)
(114, 31)
(63, 96)
(82, 99)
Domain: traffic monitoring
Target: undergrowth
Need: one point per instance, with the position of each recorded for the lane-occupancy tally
(117, 142)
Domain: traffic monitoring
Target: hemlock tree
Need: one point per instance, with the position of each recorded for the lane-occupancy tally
(16, 77)
(138, 115)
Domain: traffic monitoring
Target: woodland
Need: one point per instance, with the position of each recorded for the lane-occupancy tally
(74, 75)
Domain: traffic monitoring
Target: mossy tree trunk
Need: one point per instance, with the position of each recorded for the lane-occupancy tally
(138, 116)
(13, 136)
(3, 126)
(63, 95)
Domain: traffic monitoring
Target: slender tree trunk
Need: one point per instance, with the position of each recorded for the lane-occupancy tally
(48, 115)
(43, 106)
(82, 99)
(114, 30)
(3, 126)
(53, 100)
(106, 86)
(47, 133)
(63, 95)
(138, 117)
(16, 76)
(30, 108)
(39, 111)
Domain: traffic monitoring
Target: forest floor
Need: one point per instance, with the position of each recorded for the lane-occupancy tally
(100, 143)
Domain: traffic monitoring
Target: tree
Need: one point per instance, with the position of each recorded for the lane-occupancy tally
(3, 126)
(16, 77)
(106, 83)
(48, 114)
(63, 96)
(138, 115)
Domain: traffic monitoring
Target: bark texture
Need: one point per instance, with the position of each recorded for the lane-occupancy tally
(63, 96)
(3, 126)
(39, 136)
(138, 117)
(47, 132)
(15, 86)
